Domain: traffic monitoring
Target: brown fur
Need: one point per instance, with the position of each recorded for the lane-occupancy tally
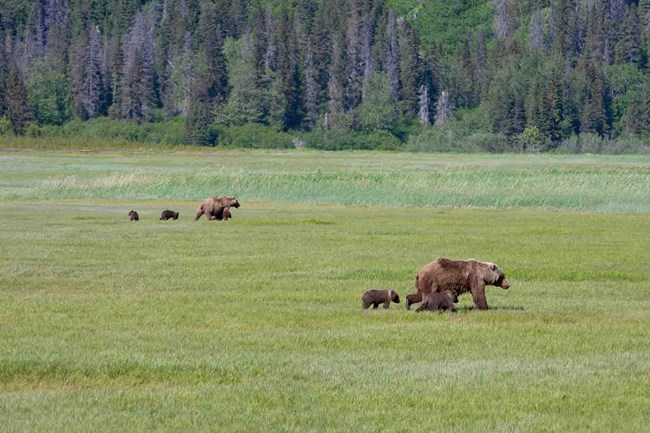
(169, 214)
(134, 216)
(459, 276)
(221, 215)
(376, 297)
(440, 301)
(217, 208)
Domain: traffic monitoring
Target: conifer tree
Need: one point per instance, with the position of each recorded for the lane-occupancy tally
(536, 33)
(91, 98)
(393, 56)
(410, 68)
(3, 69)
(311, 91)
(444, 112)
(209, 89)
(18, 108)
(136, 92)
(335, 110)
(637, 118)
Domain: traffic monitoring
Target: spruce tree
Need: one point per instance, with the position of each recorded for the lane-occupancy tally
(444, 112)
(410, 68)
(335, 111)
(393, 56)
(18, 107)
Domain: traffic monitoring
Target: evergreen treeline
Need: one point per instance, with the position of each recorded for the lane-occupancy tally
(524, 73)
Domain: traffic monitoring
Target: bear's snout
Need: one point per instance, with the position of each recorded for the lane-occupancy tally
(505, 284)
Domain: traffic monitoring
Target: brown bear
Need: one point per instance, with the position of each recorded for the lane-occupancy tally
(169, 214)
(440, 301)
(459, 276)
(376, 297)
(134, 216)
(217, 208)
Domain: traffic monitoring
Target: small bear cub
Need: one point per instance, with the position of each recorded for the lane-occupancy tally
(169, 214)
(376, 297)
(134, 216)
(439, 301)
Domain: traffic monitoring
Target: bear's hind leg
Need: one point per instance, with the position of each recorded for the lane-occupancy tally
(413, 298)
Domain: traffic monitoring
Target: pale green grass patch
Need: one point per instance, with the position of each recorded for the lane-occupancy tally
(597, 183)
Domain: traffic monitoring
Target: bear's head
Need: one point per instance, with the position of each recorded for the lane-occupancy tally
(176, 215)
(494, 276)
(392, 294)
(452, 296)
(232, 201)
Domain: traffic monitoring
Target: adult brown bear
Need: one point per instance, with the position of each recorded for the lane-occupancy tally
(217, 207)
(459, 276)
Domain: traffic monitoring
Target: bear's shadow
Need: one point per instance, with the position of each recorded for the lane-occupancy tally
(502, 308)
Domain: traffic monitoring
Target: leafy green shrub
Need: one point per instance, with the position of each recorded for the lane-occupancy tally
(5, 126)
(167, 132)
(253, 136)
(532, 139)
(348, 140)
(448, 139)
(592, 143)
(33, 130)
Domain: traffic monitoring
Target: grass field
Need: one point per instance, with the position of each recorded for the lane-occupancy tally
(255, 325)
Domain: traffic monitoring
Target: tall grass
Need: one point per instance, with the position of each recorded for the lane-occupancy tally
(576, 183)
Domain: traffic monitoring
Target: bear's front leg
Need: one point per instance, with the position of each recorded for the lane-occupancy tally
(478, 295)
(425, 305)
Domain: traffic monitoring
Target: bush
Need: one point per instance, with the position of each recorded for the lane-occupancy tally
(592, 143)
(448, 139)
(348, 140)
(167, 132)
(253, 136)
(5, 127)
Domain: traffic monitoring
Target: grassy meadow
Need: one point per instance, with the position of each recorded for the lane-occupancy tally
(255, 324)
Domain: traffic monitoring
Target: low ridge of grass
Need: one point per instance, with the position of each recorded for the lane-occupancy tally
(619, 184)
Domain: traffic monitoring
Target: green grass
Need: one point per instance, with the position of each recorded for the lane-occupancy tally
(590, 183)
(255, 325)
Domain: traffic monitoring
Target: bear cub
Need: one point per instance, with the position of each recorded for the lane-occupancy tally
(169, 214)
(222, 215)
(134, 216)
(376, 297)
(439, 301)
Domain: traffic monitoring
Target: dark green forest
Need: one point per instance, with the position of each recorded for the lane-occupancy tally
(499, 75)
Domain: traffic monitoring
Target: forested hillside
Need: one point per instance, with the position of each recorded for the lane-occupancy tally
(427, 75)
